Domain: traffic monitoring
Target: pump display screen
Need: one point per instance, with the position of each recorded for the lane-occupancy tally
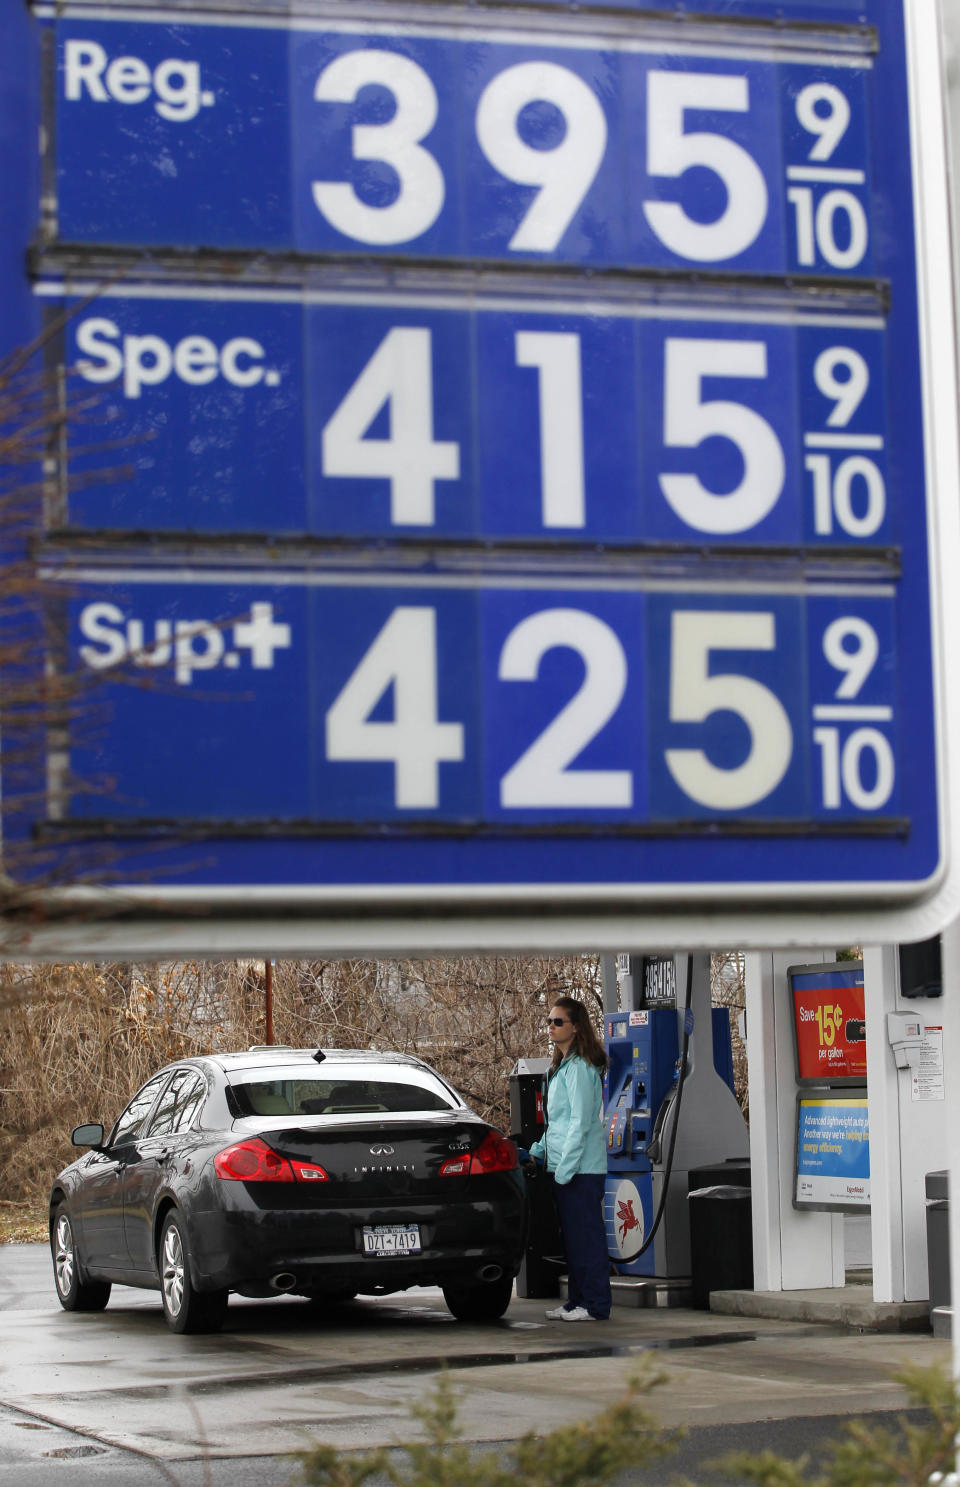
(829, 1023)
(659, 981)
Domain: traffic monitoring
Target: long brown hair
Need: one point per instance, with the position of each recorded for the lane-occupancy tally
(585, 1040)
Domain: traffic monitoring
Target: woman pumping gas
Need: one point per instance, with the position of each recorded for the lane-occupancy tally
(574, 1152)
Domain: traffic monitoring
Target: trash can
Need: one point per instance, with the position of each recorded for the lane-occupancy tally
(734, 1171)
(543, 1259)
(721, 1240)
(937, 1190)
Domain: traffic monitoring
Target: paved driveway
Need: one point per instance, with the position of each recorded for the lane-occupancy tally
(281, 1374)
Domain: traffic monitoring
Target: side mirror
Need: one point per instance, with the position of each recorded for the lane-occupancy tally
(87, 1136)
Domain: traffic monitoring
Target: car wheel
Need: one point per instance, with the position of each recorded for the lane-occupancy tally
(73, 1293)
(484, 1302)
(185, 1309)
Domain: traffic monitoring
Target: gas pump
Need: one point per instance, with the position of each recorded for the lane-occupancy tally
(669, 1107)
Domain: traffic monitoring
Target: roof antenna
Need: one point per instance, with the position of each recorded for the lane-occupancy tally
(319, 1056)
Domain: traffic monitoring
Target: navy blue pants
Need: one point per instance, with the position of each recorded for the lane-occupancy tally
(580, 1209)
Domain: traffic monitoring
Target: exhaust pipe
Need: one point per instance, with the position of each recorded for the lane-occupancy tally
(490, 1272)
(282, 1282)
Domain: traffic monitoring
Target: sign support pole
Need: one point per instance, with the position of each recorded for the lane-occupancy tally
(950, 950)
(268, 999)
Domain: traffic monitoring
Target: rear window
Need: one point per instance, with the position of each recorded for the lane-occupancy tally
(296, 1092)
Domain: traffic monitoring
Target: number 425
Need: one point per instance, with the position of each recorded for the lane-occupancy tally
(416, 742)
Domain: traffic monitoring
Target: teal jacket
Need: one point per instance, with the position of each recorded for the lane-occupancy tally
(574, 1139)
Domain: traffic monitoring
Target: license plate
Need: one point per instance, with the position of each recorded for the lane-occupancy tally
(391, 1239)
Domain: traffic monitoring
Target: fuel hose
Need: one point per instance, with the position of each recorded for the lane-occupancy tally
(676, 1101)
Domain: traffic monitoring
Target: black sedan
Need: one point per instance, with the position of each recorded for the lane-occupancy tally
(327, 1174)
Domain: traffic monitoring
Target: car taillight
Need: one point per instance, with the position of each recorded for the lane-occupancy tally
(255, 1161)
(309, 1172)
(494, 1154)
(252, 1161)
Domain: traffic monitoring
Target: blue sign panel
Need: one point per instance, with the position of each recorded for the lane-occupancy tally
(19, 122)
(527, 474)
(744, 151)
(479, 705)
(204, 399)
(395, 416)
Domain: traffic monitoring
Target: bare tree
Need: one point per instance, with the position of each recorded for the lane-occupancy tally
(728, 989)
(77, 1040)
(41, 698)
(472, 1018)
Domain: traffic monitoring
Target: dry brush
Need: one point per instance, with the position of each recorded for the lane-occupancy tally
(77, 1040)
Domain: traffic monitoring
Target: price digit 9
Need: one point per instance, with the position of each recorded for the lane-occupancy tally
(855, 661)
(846, 393)
(565, 173)
(829, 127)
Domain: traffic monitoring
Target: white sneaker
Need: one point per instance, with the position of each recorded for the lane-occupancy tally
(558, 1313)
(578, 1314)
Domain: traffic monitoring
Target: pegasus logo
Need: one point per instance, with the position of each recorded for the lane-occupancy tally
(626, 1218)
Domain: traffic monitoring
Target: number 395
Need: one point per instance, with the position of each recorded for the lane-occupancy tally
(563, 173)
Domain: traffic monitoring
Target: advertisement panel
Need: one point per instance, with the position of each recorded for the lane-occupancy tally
(829, 1023)
(833, 1152)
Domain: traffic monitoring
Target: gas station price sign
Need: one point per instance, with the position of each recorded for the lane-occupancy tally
(532, 481)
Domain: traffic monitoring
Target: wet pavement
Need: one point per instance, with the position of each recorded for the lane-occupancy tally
(282, 1373)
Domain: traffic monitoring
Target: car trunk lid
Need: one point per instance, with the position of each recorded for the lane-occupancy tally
(383, 1160)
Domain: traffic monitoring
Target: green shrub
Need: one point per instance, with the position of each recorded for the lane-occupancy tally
(909, 1455)
(595, 1452)
(587, 1454)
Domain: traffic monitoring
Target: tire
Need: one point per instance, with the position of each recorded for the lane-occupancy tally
(73, 1293)
(484, 1302)
(185, 1309)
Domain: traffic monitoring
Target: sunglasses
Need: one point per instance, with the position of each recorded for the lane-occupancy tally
(557, 1021)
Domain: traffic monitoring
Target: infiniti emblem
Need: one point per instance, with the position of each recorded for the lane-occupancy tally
(381, 1151)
